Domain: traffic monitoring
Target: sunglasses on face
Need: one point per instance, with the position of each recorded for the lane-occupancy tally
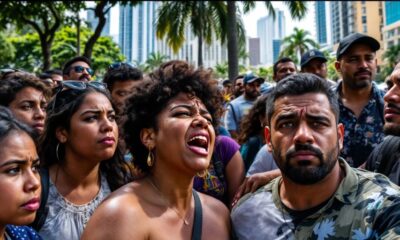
(117, 65)
(80, 69)
(77, 85)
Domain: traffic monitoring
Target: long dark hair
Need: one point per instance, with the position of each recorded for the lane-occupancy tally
(59, 113)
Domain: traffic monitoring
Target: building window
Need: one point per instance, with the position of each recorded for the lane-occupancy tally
(364, 10)
(364, 28)
(364, 19)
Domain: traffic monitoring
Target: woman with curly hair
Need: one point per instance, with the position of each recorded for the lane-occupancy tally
(80, 156)
(251, 137)
(170, 132)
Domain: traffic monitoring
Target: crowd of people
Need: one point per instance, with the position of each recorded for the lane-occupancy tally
(174, 154)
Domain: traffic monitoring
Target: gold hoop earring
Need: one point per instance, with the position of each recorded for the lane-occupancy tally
(150, 159)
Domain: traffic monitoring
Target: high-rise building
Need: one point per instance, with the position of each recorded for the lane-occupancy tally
(93, 21)
(357, 16)
(276, 49)
(269, 29)
(391, 29)
(254, 51)
(137, 36)
(320, 19)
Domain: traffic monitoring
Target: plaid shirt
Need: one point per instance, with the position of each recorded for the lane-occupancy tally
(362, 134)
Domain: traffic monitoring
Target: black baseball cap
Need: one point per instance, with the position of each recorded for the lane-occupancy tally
(250, 77)
(349, 40)
(310, 55)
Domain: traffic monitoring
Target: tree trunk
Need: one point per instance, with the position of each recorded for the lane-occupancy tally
(46, 50)
(200, 51)
(78, 35)
(232, 41)
(99, 12)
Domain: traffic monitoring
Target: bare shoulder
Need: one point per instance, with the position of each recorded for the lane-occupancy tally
(119, 216)
(216, 218)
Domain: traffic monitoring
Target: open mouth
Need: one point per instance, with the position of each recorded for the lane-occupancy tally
(198, 144)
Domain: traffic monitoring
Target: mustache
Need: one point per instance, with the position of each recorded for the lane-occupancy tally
(363, 71)
(303, 147)
(392, 105)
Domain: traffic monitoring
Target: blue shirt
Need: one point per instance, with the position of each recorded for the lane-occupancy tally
(235, 112)
(362, 134)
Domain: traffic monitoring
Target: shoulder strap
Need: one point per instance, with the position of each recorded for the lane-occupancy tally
(42, 211)
(387, 154)
(198, 217)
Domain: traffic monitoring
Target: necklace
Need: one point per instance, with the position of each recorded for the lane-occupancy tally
(185, 221)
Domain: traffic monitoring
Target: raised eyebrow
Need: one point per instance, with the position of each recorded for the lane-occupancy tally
(286, 116)
(19, 162)
(317, 118)
(96, 112)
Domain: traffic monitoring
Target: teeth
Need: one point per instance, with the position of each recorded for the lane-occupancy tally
(198, 137)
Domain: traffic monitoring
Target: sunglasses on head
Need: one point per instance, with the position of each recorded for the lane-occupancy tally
(77, 85)
(80, 69)
(117, 65)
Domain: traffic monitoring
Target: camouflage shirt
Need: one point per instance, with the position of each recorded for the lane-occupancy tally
(366, 205)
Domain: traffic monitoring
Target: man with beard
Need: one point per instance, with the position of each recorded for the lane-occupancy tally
(238, 88)
(240, 106)
(318, 196)
(360, 99)
(385, 157)
(78, 68)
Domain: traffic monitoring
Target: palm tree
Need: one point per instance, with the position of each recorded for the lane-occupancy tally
(204, 18)
(392, 55)
(154, 61)
(297, 43)
(297, 10)
(221, 69)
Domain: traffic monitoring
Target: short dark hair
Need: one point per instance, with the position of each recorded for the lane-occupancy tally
(54, 71)
(67, 65)
(299, 84)
(237, 77)
(282, 60)
(226, 82)
(10, 87)
(9, 124)
(170, 79)
(124, 73)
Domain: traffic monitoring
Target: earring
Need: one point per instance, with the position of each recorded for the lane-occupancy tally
(150, 159)
(57, 147)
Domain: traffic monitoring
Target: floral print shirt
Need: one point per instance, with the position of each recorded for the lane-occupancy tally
(366, 205)
(362, 134)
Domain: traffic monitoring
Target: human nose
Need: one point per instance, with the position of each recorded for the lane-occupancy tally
(303, 134)
(32, 182)
(393, 94)
(39, 113)
(200, 121)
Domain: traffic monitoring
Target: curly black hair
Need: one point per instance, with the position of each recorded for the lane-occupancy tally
(168, 81)
(59, 114)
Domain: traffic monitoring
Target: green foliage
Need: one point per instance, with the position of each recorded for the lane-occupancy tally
(391, 57)
(7, 50)
(296, 44)
(154, 60)
(28, 52)
(221, 70)
(105, 50)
